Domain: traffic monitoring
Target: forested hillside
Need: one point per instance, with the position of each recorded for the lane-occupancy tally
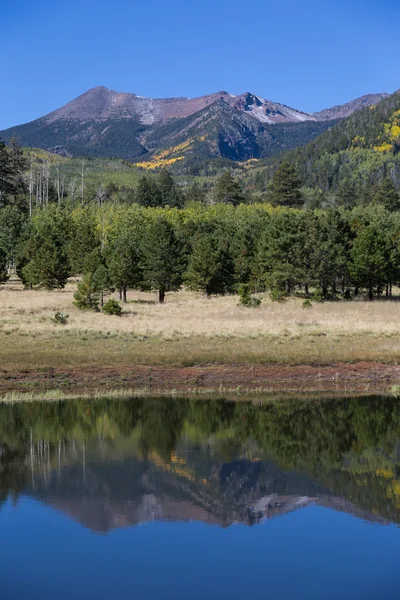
(347, 162)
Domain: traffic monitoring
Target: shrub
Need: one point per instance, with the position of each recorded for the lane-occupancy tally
(307, 303)
(112, 307)
(277, 295)
(60, 318)
(246, 299)
(317, 296)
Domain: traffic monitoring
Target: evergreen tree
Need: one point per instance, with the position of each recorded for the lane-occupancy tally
(87, 297)
(163, 263)
(42, 256)
(147, 192)
(227, 190)
(333, 251)
(95, 266)
(370, 265)
(12, 181)
(277, 262)
(170, 194)
(210, 269)
(387, 195)
(84, 238)
(243, 243)
(47, 265)
(124, 256)
(285, 187)
(3, 266)
(307, 243)
(6, 174)
(18, 165)
(347, 194)
(195, 193)
(12, 221)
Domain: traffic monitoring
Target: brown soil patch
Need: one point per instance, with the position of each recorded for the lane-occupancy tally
(335, 378)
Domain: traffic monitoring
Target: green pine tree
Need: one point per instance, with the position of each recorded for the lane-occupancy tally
(84, 239)
(195, 193)
(42, 256)
(124, 257)
(12, 222)
(285, 187)
(147, 192)
(3, 267)
(227, 190)
(87, 297)
(170, 194)
(162, 262)
(204, 267)
(347, 193)
(387, 195)
(101, 281)
(370, 265)
(12, 176)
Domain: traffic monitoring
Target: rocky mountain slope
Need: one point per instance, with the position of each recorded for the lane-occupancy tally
(105, 123)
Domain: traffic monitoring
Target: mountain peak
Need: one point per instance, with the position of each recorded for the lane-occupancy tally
(98, 88)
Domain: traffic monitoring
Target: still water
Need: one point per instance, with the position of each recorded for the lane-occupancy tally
(190, 499)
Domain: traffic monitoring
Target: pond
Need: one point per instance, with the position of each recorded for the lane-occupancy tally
(176, 498)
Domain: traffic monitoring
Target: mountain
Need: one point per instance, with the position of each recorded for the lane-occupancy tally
(352, 157)
(102, 104)
(105, 123)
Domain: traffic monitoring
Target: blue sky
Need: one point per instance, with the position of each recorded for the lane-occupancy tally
(309, 54)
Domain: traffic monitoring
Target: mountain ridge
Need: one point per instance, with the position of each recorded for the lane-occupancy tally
(342, 111)
(127, 104)
(103, 103)
(105, 123)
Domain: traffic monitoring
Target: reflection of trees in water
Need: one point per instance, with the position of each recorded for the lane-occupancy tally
(350, 446)
(13, 472)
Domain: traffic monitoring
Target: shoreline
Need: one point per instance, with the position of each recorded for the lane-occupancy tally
(223, 381)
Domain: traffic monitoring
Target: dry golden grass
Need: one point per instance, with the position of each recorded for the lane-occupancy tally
(191, 329)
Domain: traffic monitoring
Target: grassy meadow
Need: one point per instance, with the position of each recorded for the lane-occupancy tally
(191, 329)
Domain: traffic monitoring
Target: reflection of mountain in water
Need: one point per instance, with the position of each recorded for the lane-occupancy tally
(106, 495)
(118, 464)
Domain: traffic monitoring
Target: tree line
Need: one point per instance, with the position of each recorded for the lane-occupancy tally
(163, 243)
(282, 184)
(327, 254)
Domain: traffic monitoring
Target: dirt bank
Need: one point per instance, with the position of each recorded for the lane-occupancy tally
(335, 378)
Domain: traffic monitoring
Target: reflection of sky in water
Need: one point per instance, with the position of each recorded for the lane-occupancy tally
(314, 553)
